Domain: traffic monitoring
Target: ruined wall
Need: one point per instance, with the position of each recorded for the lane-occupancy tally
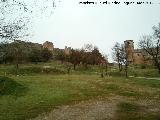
(67, 50)
(134, 56)
(138, 58)
(48, 45)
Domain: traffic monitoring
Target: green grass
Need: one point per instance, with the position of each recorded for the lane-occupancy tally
(59, 68)
(133, 111)
(10, 87)
(44, 92)
(33, 92)
(30, 69)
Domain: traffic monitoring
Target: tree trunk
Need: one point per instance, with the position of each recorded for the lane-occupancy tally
(101, 71)
(106, 69)
(159, 69)
(86, 67)
(17, 67)
(74, 67)
(126, 70)
(119, 66)
(68, 70)
(102, 76)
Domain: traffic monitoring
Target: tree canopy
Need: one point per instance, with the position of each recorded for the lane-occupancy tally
(16, 16)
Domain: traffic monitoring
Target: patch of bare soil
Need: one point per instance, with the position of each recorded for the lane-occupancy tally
(94, 109)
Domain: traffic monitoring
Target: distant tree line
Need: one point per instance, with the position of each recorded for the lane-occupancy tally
(22, 52)
(88, 55)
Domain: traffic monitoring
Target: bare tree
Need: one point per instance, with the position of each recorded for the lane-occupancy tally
(116, 55)
(120, 55)
(16, 16)
(151, 45)
(124, 58)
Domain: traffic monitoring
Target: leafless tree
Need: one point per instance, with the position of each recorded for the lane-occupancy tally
(16, 16)
(120, 56)
(124, 58)
(151, 45)
(116, 55)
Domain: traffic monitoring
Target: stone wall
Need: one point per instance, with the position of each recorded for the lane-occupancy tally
(67, 50)
(48, 45)
(138, 58)
(129, 46)
(134, 56)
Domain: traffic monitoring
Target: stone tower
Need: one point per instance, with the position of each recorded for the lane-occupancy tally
(129, 46)
(67, 50)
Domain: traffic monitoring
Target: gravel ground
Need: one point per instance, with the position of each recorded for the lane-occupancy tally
(94, 109)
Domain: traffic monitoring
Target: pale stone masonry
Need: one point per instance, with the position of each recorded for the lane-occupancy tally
(135, 56)
(48, 45)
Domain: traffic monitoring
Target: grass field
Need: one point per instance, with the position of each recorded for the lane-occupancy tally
(57, 67)
(32, 92)
(33, 95)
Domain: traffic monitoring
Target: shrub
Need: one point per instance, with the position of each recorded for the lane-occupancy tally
(143, 66)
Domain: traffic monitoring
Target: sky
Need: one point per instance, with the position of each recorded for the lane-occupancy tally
(73, 24)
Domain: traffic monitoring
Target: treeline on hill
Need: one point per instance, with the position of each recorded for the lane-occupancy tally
(23, 52)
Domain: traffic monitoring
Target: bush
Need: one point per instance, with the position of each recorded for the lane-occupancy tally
(143, 66)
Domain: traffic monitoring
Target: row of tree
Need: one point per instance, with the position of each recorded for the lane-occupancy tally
(22, 52)
(88, 55)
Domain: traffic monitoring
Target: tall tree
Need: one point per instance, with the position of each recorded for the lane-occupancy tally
(116, 55)
(35, 55)
(75, 57)
(124, 58)
(120, 55)
(46, 54)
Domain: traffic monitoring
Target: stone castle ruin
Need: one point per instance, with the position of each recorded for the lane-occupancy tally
(135, 56)
(67, 50)
(50, 46)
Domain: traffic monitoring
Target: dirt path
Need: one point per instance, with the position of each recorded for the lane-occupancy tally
(149, 78)
(96, 109)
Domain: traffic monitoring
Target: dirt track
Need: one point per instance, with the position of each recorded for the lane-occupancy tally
(97, 109)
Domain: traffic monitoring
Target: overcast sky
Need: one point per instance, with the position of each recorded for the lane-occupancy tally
(73, 24)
